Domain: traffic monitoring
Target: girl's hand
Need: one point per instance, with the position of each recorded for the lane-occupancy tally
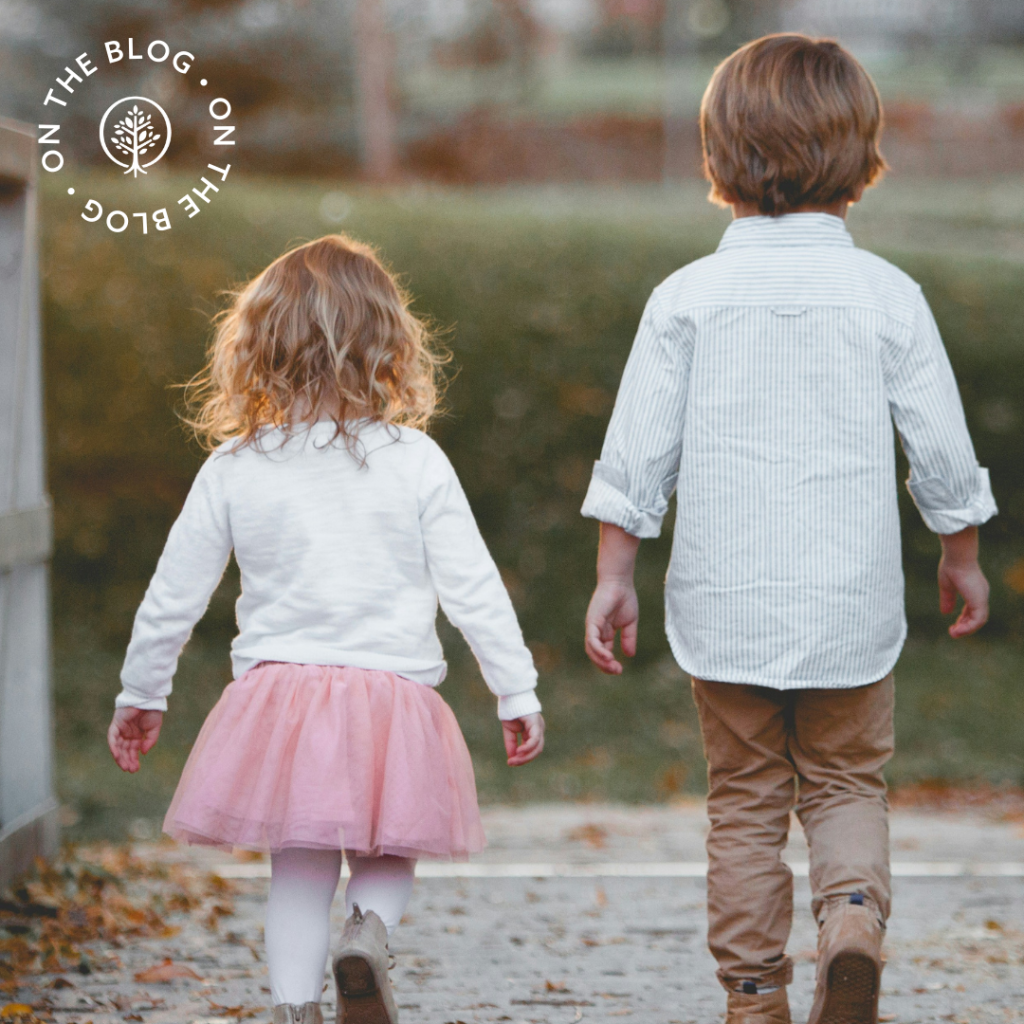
(133, 731)
(531, 728)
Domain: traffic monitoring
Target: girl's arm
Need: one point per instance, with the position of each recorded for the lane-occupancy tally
(186, 576)
(188, 572)
(471, 591)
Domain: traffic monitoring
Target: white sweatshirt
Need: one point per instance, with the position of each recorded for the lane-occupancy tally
(342, 563)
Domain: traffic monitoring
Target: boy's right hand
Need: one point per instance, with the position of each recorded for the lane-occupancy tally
(613, 607)
(133, 731)
(959, 573)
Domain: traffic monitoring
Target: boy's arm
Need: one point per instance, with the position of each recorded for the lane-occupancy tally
(636, 475)
(614, 605)
(951, 491)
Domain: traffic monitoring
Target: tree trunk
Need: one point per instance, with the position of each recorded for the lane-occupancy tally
(377, 122)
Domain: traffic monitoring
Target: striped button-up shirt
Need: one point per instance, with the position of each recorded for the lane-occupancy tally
(762, 387)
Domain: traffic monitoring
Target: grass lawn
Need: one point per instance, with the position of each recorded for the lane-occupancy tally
(540, 290)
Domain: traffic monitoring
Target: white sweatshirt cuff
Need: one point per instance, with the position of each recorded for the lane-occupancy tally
(127, 699)
(515, 705)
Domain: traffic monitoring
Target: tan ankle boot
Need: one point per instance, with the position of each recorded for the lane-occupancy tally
(849, 963)
(361, 972)
(762, 1008)
(307, 1013)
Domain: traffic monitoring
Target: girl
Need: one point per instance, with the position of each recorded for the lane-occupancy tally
(347, 524)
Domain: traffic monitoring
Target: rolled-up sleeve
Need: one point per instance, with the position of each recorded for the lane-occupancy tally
(948, 486)
(636, 475)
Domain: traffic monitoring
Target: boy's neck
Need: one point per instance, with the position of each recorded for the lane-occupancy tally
(750, 209)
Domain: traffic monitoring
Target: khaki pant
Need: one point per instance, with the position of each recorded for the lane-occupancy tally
(820, 752)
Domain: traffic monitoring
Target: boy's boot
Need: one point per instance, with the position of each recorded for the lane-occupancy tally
(758, 1007)
(361, 972)
(307, 1013)
(849, 963)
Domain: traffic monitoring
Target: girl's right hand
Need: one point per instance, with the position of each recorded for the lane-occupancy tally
(531, 729)
(133, 731)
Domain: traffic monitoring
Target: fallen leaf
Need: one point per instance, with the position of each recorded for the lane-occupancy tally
(595, 836)
(556, 986)
(238, 1012)
(167, 971)
(15, 1010)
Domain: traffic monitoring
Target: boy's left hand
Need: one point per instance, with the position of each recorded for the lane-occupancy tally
(959, 573)
(133, 731)
(531, 728)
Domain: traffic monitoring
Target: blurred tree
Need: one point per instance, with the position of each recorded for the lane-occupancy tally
(374, 88)
(502, 35)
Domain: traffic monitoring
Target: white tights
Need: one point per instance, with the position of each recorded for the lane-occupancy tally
(298, 922)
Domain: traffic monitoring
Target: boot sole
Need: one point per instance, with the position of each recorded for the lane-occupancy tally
(851, 996)
(359, 996)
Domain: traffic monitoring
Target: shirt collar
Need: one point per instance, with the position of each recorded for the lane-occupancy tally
(789, 229)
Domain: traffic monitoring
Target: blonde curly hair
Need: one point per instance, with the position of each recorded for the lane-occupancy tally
(324, 332)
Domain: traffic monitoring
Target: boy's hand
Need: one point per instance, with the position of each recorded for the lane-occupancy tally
(959, 573)
(531, 729)
(613, 607)
(133, 731)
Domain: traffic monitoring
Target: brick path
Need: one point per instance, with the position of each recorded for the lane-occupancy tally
(560, 950)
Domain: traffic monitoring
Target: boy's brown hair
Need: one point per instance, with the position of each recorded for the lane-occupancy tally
(789, 121)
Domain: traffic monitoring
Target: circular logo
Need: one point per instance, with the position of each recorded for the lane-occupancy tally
(130, 137)
(135, 134)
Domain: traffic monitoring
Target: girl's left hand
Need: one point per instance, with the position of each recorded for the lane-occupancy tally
(133, 731)
(531, 728)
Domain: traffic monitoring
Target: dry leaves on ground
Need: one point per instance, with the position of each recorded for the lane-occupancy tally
(165, 972)
(1000, 803)
(49, 920)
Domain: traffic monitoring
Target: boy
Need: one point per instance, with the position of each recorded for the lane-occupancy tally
(761, 386)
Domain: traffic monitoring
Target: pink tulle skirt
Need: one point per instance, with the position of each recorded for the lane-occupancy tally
(329, 758)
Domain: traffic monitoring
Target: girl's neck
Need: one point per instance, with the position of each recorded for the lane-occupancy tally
(303, 415)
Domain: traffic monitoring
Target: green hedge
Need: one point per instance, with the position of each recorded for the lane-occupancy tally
(540, 307)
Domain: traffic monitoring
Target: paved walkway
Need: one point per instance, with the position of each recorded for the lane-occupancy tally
(560, 946)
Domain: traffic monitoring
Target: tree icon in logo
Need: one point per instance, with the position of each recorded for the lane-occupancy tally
(135, 135)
